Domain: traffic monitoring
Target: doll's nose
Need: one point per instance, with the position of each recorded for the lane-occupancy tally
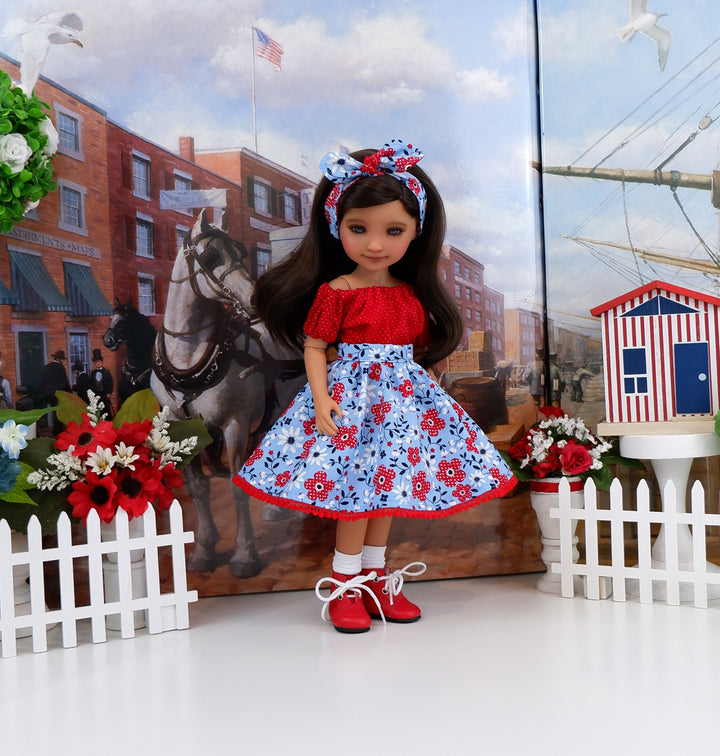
(374, 244)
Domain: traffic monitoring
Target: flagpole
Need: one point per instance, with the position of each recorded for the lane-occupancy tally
(254, 109)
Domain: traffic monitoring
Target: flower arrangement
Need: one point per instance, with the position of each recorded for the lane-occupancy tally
(131, 462)
(560, 445)
(28, 140)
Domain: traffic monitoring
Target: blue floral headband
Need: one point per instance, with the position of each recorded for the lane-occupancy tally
(392, 160)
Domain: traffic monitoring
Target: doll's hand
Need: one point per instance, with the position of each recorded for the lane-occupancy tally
(324, 409)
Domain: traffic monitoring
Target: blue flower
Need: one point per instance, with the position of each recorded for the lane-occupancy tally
(9, 471)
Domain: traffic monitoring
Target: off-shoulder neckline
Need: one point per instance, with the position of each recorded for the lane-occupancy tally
(401, 285)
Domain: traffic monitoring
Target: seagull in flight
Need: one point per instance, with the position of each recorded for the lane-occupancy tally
(36, 38)
(646, 23)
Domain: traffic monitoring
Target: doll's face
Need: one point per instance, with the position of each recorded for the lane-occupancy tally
(376, 237)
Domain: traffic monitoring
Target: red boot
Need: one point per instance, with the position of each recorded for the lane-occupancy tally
(387, 589)
(345, 605)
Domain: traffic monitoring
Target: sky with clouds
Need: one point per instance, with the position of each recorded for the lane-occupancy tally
(457, 79)
(606, 103)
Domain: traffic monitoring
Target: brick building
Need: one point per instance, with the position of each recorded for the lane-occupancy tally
(273, 197)
(523, 335)
(145, 237)
(56, 266)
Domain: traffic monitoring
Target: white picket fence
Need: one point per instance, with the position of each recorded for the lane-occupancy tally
(162, 611)
(679, 572)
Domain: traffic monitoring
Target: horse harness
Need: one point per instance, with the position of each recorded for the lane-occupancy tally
(232, 322)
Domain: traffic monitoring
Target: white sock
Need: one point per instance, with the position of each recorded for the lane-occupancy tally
(346, 564)
(373, 557)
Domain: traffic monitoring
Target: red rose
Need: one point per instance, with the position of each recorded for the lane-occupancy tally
(551, 412)
(575, 459)
(521, 449)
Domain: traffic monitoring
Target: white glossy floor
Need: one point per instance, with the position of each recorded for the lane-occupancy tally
(494, 667)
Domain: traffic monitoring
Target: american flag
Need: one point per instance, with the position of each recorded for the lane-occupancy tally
(268, 48)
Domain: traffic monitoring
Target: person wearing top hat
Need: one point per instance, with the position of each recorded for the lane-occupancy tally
(101, 382)
(54, 378)
(82, 380)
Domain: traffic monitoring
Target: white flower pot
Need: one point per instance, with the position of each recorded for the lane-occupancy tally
(544, 496)
(138, 572)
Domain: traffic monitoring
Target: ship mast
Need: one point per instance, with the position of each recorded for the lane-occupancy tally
(708, 182)
(659, 257)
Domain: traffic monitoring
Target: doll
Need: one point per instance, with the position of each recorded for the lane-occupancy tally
(371, 436)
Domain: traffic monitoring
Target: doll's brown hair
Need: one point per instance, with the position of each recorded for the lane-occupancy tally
(284, 293)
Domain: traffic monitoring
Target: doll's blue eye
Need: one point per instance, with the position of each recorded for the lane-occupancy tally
(357, 229)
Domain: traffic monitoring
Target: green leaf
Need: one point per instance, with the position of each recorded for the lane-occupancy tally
(180, 429)
(70, 407)
(26, 418)
(142, 405)
(37, 451)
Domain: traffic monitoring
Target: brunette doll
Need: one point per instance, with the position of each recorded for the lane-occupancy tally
(371, 436)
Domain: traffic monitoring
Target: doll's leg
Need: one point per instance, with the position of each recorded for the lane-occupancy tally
(346, 607)
(386, 585)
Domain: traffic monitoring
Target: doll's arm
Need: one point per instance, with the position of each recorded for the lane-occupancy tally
(316, 369)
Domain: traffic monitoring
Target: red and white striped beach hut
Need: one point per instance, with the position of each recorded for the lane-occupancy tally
(660, 354)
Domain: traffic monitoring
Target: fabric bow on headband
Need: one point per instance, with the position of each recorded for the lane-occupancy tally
(392, 160)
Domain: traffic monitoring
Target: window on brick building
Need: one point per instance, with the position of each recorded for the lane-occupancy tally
(262, 261)
(146, 295)
(72, 207)
(69, 128)
(457, 267)
(144, 238)
(141, 176)
(180, 233)
(68, 132)
(291, 206)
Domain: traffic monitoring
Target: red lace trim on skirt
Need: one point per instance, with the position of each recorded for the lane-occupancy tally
(424, 514)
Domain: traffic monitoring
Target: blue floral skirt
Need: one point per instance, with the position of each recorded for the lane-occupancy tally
(404, 447)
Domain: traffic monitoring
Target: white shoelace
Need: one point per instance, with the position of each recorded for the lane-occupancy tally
(356, 584)
(396, 579)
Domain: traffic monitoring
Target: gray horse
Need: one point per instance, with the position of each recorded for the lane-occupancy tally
(213, 359)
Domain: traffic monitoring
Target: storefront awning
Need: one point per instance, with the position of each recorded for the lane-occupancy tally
(6, 296)
(32, 285)
(83, 292)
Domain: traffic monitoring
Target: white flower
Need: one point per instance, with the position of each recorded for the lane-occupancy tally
(14, 152)
(46, 127)
(101, 460)
(12, 438)
(30, 205)
(125, 455)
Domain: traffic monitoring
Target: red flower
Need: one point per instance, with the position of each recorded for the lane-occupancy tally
(379, 411)
(170, 478)
(345, 438)
(521, 449)
(421, 486)
(551, 412)
(282, 478)
(375, 371)
(551, 464)
(137, 489)
(451, 473)
(134, 434)
(463, 492)
(575, 458)
(406, 388)
(432, 423)
(94, 492)
(383, 479)
(85, 437)
(309, 427)
(255, 456)
(319, 487)
(414, 455)
(306, 448)
(338, 391)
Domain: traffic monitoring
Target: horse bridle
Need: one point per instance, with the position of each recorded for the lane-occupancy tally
(192, 258)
